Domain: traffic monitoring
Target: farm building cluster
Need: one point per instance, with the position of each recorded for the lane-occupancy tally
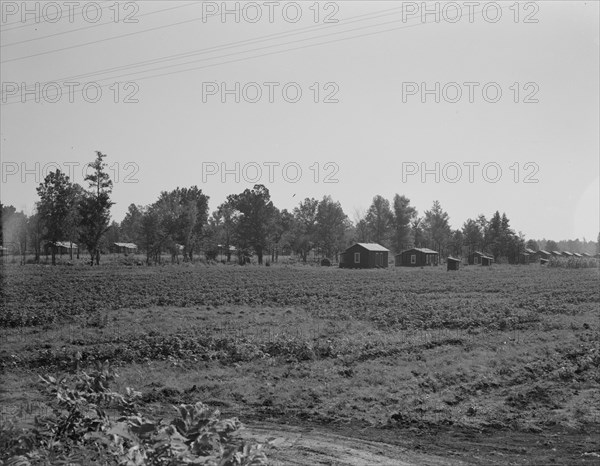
(357, 256)
(373, 255)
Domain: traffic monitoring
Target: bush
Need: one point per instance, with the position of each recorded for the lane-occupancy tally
(79, 430)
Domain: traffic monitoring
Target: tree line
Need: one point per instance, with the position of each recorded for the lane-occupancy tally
(248, 223)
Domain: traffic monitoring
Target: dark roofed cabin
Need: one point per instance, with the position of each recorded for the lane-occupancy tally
(452, 263)
(479, 258)
(364, 256)
(417, 257)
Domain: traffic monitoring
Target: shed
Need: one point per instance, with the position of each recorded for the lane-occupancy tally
(585, 254)
(576, 254)
(452, 263)
(62, 247)
(524, 258)
(364, 256)
(126, 248)
(3, 251)
(479, 258)
(556, 254)
(567, 254)
(541, 254)
(417, 257)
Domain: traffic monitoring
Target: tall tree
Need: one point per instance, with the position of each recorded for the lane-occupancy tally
(131, 224)
(282, 223)
(472, 235)
(255, 211)
(305, 223)
(183, 213)
(58, 196)
(436, 227)
(332, 224)
(379, 220)
(403, 215)
(225, 219)
(94, 208)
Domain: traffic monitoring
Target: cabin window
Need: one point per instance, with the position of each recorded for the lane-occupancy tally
(413, 258)
(357, 257)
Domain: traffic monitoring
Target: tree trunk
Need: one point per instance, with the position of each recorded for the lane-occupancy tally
(97, 256)
(259, 253)
(53, 255)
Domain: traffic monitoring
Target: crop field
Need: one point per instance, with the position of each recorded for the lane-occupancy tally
(496, 365)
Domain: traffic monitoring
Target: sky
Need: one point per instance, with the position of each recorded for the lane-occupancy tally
(484, 108)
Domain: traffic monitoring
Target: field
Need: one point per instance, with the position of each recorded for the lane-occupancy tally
(495, 365)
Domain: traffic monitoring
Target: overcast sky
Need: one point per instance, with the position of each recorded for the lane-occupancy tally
(531, 151)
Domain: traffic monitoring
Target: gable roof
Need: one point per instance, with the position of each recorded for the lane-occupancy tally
(65, 244)
(423, 250)
(373, 247)
(544, 252)
(450, 258)
(126, 245)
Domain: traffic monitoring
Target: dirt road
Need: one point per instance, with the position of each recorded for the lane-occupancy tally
(293, 445)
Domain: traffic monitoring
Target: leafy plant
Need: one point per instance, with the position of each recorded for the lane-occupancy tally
(80, 430)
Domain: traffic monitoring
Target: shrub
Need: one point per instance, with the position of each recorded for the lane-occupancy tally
(79, 430)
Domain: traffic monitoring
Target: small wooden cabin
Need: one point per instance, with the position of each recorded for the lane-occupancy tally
(125, 248)
(452, 263)
(364, 256)
(417, 257)
(479, 258)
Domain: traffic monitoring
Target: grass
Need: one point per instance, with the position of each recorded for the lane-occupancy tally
(497, 350)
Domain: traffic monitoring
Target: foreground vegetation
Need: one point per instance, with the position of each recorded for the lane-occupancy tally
(404, 354)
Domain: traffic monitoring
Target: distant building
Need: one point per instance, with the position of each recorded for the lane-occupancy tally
(62, 247)
(417, 257)
(541, 254)
(567, 254)
(364, 256)
(557, 254)
(479, 258)
(576, 254)
(125, 248)
(452, 263)
(525, 258)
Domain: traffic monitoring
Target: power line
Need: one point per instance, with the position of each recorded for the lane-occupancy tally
(91, 26)
(261, 55)
(24, 24)
(350, 20)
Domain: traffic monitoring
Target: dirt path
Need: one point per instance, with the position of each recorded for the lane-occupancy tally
(293, 445)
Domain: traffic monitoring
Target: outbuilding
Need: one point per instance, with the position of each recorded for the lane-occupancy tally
(125, 248)
(524, 258)
(364, 256)
(417, 257)
(452, 263)
(62, 247)
(479, 258)
(541, 254)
